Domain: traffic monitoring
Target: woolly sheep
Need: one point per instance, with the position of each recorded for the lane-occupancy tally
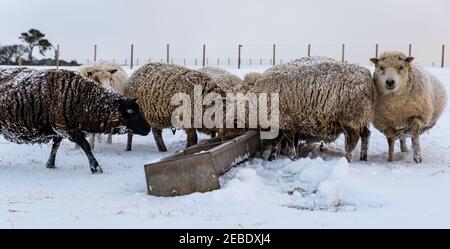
(108, 75)
(249, 81)
(229, 82)
(321, 98)
(154, 85)
(408, 101)
(40, 106)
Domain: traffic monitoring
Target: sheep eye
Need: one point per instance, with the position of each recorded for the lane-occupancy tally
(382, 68)
(130, 111)
(400, 68)
(97, 79)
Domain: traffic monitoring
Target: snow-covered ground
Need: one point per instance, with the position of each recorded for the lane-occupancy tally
(322, 192)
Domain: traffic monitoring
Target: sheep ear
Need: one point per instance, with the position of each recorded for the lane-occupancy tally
(409, 59)
(374, 60)
(113, 71)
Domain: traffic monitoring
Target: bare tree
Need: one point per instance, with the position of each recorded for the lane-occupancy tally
(34, 38)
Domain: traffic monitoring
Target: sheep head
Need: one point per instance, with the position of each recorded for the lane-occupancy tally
(392, 72)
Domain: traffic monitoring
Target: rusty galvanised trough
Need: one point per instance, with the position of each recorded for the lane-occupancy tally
(197, 169)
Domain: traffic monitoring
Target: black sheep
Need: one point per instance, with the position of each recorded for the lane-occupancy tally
(40, 106)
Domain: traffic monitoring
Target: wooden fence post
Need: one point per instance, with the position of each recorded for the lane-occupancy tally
(410, 50)
(239, 56)
(204, 55)
(218, 61)
(273, 55)
(343, 52)
(376, 50)
(132, 56)
(443, 56)
(168, 53)
(20, 56)
(57, 56)
(309, 50)
(95, 53)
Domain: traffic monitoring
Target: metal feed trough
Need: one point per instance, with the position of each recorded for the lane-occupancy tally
(197, 169)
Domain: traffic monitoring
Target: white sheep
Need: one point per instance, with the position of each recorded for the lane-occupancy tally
(408, 101)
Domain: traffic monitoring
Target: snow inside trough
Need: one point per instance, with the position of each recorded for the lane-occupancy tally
(323, 191)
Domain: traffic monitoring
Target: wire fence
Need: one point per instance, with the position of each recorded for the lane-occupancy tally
(238, 55)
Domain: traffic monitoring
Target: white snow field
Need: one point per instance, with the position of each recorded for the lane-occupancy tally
(323, 191)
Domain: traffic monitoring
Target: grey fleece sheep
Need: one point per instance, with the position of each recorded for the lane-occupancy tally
(321, 98)
(154, 85)
(40, 106)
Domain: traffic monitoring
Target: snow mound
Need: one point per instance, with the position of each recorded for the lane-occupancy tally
(312, 184)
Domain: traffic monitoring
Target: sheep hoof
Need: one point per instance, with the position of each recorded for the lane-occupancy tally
(51, 166)
(349, 157)
(96, 170)
(363, 159)
(417, 158)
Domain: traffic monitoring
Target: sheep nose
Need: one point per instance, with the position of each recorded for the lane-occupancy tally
(390, 83)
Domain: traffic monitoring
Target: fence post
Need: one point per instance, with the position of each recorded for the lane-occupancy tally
(273, 55)
(260, 61)
(57, 56)
(410, 50)
(132, 56)
(168, 54)
(229, 61)
(95, 53)
(204, 54)
(218, 61)
(443, 56)
(309, 50)
(20, 56)
(195, 61)
(343, 52)
(376, 50)
(239, 56)
(184, 62)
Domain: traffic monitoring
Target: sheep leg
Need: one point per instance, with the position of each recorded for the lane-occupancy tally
(92, 141)
(276, 146)
(365, 136)
(109, 140)
(351, 140)
(55, 147)
(403, 146)
(213, 134)
(129, 140)
(391, 143)
(81, 140)
(157, 134)
(415, 130)
(191, 137)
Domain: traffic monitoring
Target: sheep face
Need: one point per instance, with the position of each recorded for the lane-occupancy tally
(133, 118)
(101, 77)
(392, 73)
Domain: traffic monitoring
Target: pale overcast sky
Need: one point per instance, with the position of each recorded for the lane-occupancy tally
(114, 24)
